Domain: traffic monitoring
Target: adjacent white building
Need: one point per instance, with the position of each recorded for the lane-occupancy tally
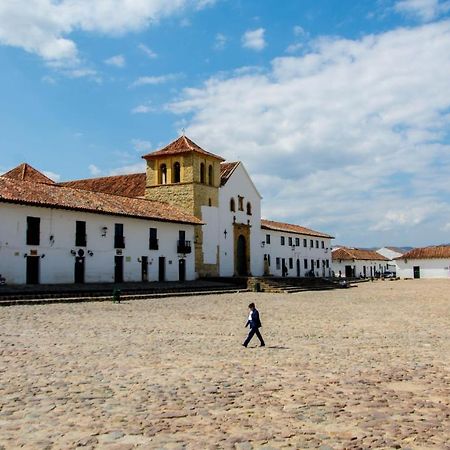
(192, 214)
(425, 262)
(295, 251)
(354, 262)
(51, 234)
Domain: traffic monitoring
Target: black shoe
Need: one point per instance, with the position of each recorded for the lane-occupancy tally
(262, 345)
(243, 345)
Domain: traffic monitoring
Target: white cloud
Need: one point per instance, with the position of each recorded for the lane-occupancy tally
(424, 10)
(131, 168)
(94, 170)
(220, 41)
(148, 51)
(154, 80)
(143, 108)
(44, 27)
(349, 138)
(141, 145)
(117, 60)
(254, 39)
(52, 175)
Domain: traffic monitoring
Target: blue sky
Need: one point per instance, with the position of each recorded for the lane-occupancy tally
(338, 108)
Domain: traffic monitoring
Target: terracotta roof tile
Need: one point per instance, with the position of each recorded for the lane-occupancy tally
(55, 196)
(25, 172)
(132, 185)
(226, 170)
(347, 254)
(432, 252)
(181, 145)
(280, 226)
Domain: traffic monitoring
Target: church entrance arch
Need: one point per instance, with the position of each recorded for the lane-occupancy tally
(241, 256)
(241, 249)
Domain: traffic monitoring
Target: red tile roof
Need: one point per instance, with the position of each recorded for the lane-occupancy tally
(347, 254)
(132, 185)
(432, 252)
(54, 196)
(181, 145)
(25, 172)
(226, 169)
(287, 227)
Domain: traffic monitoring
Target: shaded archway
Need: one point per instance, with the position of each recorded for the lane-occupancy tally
(241, 256)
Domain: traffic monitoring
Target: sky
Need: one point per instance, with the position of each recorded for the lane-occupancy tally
(339, 109)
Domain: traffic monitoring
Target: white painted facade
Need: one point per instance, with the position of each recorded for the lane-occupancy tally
(299, 253)
(239, 184)
(425, 268)
(360, 267)
(57, 245)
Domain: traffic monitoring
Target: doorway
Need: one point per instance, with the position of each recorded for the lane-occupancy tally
(79, 269)
(348, 271)
(161, 268)
(298, 267)
(144, 268)
(33, 269)
(182, 269)
(241, 266)
(416, 270)
(118, 269)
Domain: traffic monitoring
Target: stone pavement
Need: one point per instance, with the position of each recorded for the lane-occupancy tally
(356, 368)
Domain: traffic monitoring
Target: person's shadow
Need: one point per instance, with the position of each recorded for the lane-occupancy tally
(277, 347)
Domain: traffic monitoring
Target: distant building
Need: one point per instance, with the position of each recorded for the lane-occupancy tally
(425, 262)
(391, 253)
(191, 214)
(354, 262)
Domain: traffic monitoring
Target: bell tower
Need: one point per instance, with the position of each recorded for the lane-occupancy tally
(188, 177)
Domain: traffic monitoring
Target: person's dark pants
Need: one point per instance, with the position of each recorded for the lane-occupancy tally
(252, 332)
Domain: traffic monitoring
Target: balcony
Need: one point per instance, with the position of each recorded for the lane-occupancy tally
(184, 247)
(153, 244)
(119, 241)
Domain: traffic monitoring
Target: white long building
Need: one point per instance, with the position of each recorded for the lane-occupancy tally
(425, 262)
(190, 215)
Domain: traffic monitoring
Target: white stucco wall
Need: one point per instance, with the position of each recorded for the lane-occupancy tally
(358, 265)
(58, 264)
(301, 253)
(239, 183)
(429, 268)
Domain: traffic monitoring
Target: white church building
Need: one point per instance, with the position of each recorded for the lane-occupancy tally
(190, 215)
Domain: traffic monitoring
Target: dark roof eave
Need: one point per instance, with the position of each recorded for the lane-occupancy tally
(96, 211)
(265, 227)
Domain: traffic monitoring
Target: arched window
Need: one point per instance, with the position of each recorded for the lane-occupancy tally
(210, 175)
(176, 172)
(249, 208)
(232, 205)
(162, 174)
(202, 173)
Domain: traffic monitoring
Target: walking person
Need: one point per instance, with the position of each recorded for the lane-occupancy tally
(255, 323)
